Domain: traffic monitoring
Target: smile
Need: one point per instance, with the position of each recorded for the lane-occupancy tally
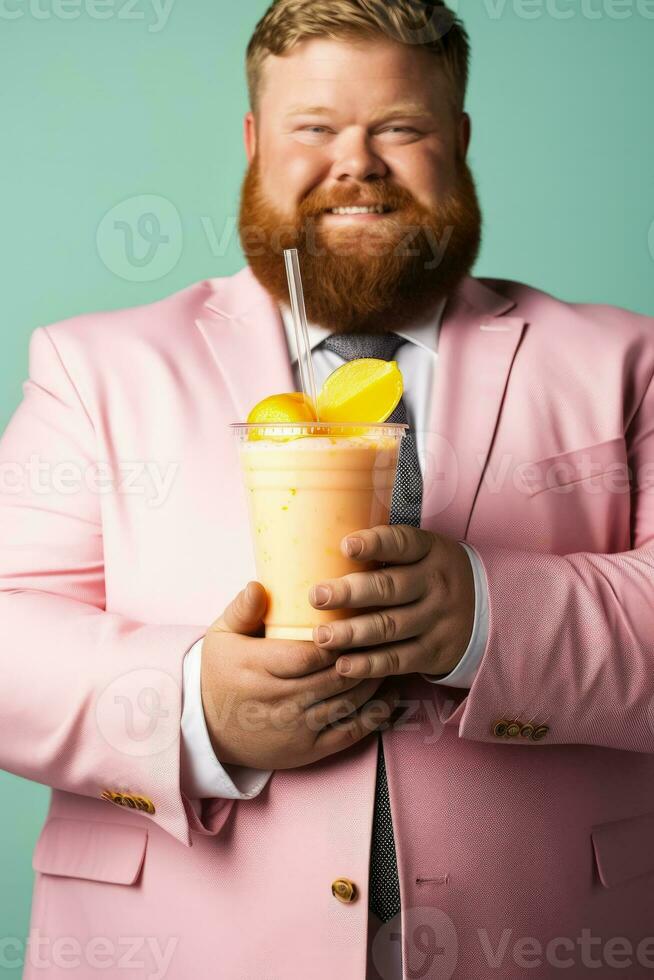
(371, 209)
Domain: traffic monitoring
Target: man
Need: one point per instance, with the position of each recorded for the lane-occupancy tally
(223, 804)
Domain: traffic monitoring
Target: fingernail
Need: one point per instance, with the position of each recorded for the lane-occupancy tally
(344, 665)
(354, 547)
(324, 634)
(321, 595)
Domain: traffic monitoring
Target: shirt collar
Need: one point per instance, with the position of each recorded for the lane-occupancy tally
(423, 332)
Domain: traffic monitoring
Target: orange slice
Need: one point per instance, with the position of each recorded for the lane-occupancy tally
(293, 407)
(364, 390)
(281, 409)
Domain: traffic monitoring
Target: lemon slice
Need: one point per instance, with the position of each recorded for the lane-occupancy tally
(364, 390)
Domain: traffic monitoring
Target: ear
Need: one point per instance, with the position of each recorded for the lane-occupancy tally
(463, 134)
(250, 135)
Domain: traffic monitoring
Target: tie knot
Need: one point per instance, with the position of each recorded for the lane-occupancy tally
(352, 346)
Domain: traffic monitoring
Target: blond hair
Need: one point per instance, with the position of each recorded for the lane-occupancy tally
(429, 23)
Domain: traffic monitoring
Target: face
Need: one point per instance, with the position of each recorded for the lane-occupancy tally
(368, 123)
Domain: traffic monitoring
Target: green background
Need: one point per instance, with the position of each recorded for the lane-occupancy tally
(98, 112)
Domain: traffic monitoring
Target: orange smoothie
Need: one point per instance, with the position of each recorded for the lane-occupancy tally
(305, 494)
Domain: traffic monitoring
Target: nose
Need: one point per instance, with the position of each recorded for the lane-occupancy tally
(353, 157)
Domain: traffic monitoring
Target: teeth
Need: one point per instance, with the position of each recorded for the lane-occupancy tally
(377, 209)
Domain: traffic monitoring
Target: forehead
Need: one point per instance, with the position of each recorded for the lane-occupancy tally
(362, 73)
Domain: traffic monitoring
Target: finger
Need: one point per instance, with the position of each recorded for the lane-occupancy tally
(370, 629)
(336, 738)
(296, 658)
(322, 685)
(380, 587)
(399, 658)
(245, 613)
(335, 709)
(399, 544)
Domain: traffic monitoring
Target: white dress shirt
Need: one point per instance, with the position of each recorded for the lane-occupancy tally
(202, 774)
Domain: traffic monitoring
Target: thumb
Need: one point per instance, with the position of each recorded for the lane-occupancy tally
(245, 613)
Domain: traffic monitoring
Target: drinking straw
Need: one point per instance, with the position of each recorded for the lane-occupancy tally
(296, 292)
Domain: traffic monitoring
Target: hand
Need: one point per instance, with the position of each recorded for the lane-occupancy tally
(424, 600)
(279, 704)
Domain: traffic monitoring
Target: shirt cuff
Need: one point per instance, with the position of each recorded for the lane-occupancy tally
(465, 671)
(202, 775)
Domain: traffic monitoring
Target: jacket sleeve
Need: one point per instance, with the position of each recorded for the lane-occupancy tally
(570, 647)
(90, 701)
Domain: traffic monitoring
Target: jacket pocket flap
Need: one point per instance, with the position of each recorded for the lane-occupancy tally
(85, 849)
(574, 466)
(623, 849)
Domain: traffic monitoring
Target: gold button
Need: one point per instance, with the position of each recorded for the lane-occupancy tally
(540, 733)
(527, 731)
(513, 729)
(112, 797)
(128, 800)
(344, 890)
(500, 727)
(143, 803)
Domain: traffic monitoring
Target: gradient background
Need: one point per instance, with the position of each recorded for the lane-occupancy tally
(97, 114)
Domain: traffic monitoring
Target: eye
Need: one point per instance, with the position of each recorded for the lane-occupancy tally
(398, 129)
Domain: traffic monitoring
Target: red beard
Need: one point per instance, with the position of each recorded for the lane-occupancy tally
(372, 277)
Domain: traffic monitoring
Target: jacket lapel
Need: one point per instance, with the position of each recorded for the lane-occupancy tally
(476, 348)
(244, 332)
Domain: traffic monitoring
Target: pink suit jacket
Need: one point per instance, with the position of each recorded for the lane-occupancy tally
(512, 851)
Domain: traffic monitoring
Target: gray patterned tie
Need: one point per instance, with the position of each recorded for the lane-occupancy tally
(406, 508)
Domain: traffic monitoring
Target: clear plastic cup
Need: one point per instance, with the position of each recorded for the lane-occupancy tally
(308, 485)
